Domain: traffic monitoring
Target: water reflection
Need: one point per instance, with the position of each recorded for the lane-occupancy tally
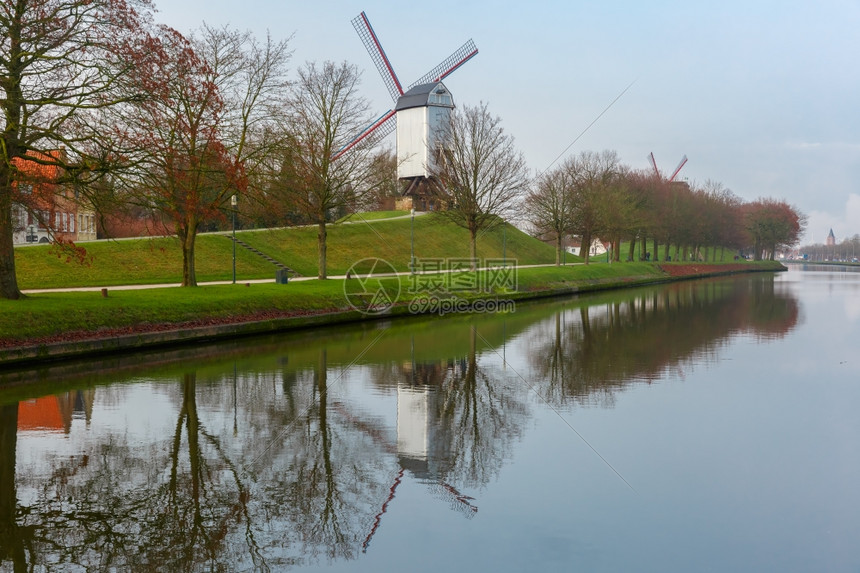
(586, 353)
(290, 450)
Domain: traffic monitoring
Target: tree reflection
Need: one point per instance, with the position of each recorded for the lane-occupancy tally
(589, 354)
(13, 539)
(203, 496)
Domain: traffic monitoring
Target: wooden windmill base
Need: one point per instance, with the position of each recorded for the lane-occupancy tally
(422, 194)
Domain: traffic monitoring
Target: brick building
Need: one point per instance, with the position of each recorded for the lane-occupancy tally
(43, 208)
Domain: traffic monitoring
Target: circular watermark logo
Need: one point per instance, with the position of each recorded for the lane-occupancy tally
(371, 286)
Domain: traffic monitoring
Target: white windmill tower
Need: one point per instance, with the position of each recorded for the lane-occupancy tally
(419, 114)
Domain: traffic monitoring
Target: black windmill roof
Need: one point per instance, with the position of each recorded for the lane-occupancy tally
(420, 96)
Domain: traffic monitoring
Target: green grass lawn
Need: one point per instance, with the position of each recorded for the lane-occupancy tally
(135, 261)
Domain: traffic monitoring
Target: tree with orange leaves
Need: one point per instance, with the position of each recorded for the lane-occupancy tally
(772, 224)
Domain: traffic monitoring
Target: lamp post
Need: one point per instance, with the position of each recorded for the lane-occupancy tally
(234, 202)
(504, 245)
(412, 243)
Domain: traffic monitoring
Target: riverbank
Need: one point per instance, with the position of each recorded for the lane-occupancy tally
(55, 326)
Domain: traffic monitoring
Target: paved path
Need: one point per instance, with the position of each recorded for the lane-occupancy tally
(254, 281)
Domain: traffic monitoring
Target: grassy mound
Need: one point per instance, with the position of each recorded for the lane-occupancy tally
(159, 260)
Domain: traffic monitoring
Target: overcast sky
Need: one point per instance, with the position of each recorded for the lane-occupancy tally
(762, 96)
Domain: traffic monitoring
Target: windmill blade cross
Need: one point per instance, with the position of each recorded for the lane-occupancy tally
(377, 54)
(386, 123)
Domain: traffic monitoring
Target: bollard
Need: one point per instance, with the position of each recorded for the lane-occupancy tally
(104, 293)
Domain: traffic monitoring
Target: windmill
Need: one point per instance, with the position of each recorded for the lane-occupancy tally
(674, 173)
(426, 95)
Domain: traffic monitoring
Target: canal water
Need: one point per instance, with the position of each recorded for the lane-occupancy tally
(701, 426)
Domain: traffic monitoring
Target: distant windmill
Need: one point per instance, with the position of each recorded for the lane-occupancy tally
(674, 173)
(419, 111)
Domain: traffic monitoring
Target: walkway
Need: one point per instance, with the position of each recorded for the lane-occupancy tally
(259, 281)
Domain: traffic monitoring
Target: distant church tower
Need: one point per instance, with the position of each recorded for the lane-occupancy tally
(831, 239)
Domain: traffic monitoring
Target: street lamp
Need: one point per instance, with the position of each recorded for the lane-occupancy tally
(412, 243)
(234, 202)
(504, 245)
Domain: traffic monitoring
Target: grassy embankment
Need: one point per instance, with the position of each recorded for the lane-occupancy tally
(58, 316)
(71, 315)
(159, 260)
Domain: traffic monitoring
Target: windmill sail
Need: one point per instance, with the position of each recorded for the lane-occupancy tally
(653, 163)
(372, 134)
(463, 54)
(677, 169)
(377, 54)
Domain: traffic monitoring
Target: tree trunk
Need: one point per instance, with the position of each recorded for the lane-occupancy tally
(321, 246)
(188, 237)
(558, 246)
(473, 246)
(656, 251)
(585, 247)
(632, 251)
(8, 280)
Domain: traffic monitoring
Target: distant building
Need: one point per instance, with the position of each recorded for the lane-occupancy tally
(43, 209)
(831, 239)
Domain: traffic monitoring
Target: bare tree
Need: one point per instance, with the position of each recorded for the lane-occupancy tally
(60, 61)
(251, 80)
(325, 113)
(206, 125)
(549, 208)
(592, 174)
(480, 171)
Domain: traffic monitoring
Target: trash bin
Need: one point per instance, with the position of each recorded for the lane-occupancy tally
(281, 276)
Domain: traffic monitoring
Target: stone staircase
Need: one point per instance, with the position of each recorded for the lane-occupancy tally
(259, 253)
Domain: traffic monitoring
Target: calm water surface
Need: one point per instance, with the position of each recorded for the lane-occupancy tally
(704, 426)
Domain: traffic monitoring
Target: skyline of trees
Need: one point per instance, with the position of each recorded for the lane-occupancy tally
(594, 196)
